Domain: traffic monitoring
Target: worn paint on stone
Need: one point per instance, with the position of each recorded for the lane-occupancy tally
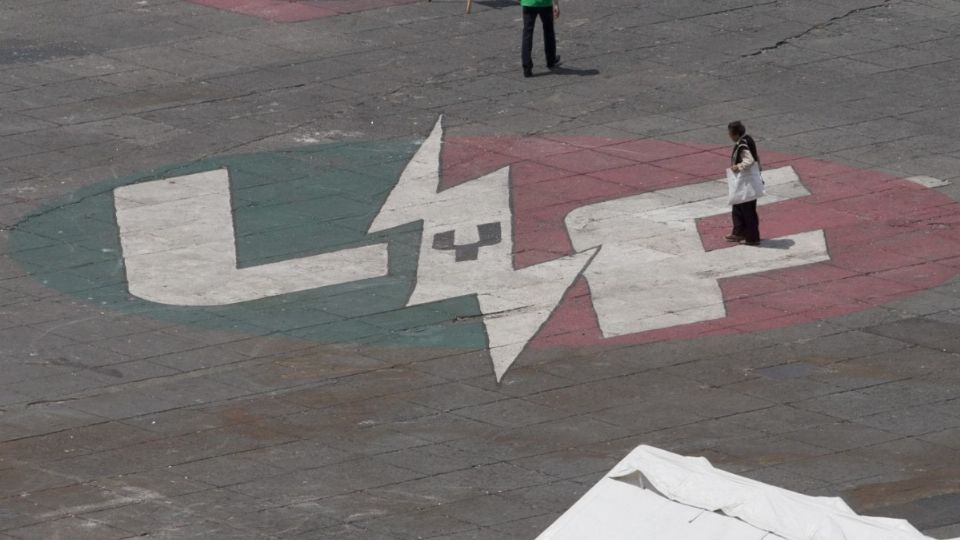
(178, 245)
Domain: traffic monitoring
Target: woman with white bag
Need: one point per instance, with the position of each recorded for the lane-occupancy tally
(746, 186)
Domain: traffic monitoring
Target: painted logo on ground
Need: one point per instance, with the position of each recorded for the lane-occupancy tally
(500, 243)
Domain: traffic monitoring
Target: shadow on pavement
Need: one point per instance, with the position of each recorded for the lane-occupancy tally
(496, 4)
(782, 243)
(575, 71)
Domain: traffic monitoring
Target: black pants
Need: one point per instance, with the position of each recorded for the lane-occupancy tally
(530, 15)
(746, 222)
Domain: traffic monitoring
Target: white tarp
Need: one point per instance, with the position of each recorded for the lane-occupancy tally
(657, 495)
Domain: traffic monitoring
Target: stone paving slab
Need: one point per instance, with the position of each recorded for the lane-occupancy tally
(349, 411)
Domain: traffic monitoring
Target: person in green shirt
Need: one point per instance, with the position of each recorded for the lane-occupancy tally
(547, 10)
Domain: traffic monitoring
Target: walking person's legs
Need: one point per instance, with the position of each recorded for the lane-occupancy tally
(751, 222)
(549, 36)
(736, 216)
(526, 47)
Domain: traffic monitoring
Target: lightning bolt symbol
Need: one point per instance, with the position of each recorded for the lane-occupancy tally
(515, 303)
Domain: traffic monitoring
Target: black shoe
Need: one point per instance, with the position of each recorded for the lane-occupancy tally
(527, 72)
(750, 242)
(555, 64)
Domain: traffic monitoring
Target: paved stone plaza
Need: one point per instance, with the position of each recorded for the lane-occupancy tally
(328, 270)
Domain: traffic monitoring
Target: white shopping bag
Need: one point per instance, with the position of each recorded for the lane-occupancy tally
(745, 186)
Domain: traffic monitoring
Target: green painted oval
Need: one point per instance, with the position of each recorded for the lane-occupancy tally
(286, 205)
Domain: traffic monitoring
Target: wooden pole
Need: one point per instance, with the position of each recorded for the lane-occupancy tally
(469, 5)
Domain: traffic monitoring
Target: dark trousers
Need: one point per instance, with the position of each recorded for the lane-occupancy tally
(530, 15)
(746, 222)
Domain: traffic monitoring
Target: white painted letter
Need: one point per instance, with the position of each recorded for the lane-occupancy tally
(178, 247)
(652, 271)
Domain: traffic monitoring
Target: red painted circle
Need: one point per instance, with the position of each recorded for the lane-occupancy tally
(298, 10)
(888, 237)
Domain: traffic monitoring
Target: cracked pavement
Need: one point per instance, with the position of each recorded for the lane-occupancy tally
(821, 26)
(118, 420)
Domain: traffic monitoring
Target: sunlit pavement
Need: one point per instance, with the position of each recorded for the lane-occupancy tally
(331, 269)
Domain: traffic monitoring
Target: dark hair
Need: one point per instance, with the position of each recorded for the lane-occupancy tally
(737, 128)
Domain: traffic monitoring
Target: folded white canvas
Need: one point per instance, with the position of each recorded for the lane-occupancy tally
(653, 494)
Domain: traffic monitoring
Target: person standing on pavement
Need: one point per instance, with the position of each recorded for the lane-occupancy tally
(746, 221)
(547, 10)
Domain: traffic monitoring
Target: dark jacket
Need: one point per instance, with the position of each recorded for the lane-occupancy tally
(745, 142)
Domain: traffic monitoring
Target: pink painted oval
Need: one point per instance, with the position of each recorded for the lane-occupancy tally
(888, 237)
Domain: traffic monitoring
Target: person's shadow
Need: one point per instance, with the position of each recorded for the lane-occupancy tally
(560, 70)
(779, 243)
(496, 4)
